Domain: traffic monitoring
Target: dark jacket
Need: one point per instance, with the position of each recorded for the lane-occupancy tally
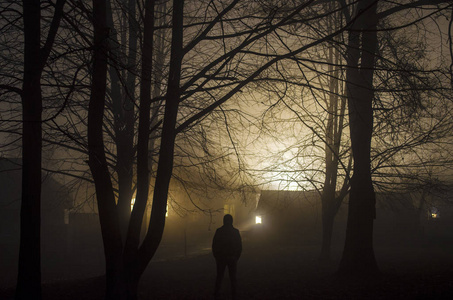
(227, 242)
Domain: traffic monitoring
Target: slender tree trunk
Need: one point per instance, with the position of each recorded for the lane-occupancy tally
(29, 273)
(108, 214)
(158, 76)
(126, 139)
(358, 257)
(123, 112)
(330, 182)
(165, 163)
(131, 274)
(331, 202)
(336, 106)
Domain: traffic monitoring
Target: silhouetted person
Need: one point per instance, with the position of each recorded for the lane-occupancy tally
(227, 248)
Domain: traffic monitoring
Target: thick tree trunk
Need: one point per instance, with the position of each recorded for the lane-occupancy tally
(358, 257)
(35, 57)
(29, 272)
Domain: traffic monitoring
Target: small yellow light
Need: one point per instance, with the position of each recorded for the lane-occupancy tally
(132, 203)
(258, 220)
(434, 215)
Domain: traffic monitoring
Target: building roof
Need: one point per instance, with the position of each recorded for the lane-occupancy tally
(54, 194)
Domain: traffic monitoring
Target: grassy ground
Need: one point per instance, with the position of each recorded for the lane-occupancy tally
(283, 272)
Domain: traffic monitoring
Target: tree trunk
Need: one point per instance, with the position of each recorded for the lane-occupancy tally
(123, 113)
(108, 214)
(131, 275)
(135, 259)
(124, 268)
(165, 163)
(358, 256)
(29, 272)
(126, 139)
(336, 106)
(35, 57)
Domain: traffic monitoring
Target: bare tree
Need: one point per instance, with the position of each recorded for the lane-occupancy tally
(35, 58)
(358, 256)
(218, 51)
(191, 94)
(407, 82)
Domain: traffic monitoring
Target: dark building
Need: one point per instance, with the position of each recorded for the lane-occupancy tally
(400, 218)
(293, 215)
(56, 203)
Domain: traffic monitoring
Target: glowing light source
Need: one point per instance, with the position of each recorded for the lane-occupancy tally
(434, 213)
(132, 203)
(258, 220)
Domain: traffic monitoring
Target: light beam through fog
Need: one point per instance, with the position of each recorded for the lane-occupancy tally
(131, 128)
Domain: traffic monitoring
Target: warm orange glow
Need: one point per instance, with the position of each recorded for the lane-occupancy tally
(434, 215)
(132, 203)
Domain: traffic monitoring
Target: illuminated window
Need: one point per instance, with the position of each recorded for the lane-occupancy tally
(434, 213)
(258, 220)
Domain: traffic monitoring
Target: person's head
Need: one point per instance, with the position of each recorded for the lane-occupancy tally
(228, 220)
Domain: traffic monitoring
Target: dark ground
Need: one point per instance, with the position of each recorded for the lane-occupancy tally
(284, 272)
